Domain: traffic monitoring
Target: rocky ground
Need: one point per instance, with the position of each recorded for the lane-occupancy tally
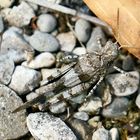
(33, 40)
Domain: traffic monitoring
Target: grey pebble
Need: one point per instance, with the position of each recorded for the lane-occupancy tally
(101, 134)
(16, 16)
(82, 30)
(44, 42)
(67, 41)
(81, 116)
(46, 23)
(12, 125)
(81, 128)
(124, 84)
(128, 63)
(79, 50)
(137, 101)
(24, 80)
(1, 25)
(114, 133)
(117, 108)
(6, 69)
(43, 60)
(14, 46)
(58, 108)
(92, 106)
(47, 127)
(6, 3)
(92, 44)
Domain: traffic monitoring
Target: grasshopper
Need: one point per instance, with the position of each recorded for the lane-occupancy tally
(85, 73)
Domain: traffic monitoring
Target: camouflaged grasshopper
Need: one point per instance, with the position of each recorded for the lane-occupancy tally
(85, 73)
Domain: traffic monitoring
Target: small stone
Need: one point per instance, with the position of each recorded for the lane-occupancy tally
(24, 80)
(101, 134)
(6, 3)
(94, 121)
(117, 108)
(82, 30)
(138, 101)
(92, 44)
(1, 25)
(48, 72)
(82, 129)
(58, 108)
(16, 16)
(124, 84)
(81, 116)
(92, 106)
(67, 41)
(44, 42)
(31, 96)
(79, 99)
(114, 134)
(128, 63)
(12, 125)
(14, 45)
(41, 61)
(79, 50)
(6, 69)
(44, 126)
(46, 23)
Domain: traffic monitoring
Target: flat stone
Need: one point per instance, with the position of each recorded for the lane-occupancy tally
(44, 42)
(6, 69)
(46, 23)
(41, 61)
(67, 41)
(83, 30)
(101, 134)
(14, 45)
(124, 84)
(138, 101)
(81, 116)
(118, 108)
(12, 125)
(45, 127)
(92, 106)
(6, 3)
(92, 44)
(24, 80)
(16, 16)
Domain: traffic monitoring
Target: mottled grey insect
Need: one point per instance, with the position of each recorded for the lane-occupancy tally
(84, 74)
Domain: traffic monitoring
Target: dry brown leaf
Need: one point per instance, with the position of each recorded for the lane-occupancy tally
(124, 18)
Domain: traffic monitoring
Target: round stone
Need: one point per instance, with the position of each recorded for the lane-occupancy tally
(46, 23)
(44, 42)
(82, 30)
